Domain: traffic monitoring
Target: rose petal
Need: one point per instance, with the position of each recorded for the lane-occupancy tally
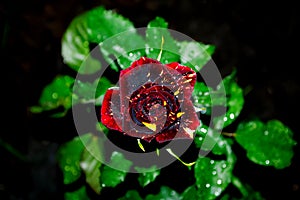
(108, 115)
(139, 62)
(189, 75)
(189, 119)
(188, 124)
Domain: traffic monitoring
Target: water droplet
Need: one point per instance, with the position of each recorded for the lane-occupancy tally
(224, 166)
(219, 181)
(221, 143)
(218, 192)
(266, 132)
(225, 119)
(103, 185)
(54, 95)
(200, 138)
(130, 54)
(214, 172)
(212, 162)
(231, 116)
(207, 185)
(203, 130)
(267, 162)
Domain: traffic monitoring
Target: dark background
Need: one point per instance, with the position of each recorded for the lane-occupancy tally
(260, 40)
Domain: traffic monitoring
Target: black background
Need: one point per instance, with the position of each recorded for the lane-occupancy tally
(260, 40)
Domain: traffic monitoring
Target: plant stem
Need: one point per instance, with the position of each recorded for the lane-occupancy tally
(229, 134)
(13, 151)
(239, 185)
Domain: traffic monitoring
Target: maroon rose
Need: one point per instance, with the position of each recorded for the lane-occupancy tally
(153, 101)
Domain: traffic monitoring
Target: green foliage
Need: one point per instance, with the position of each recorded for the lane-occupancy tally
(55, 94)
(112, 177)
(147, 175)
(195, 54)
(158, 34)
(79, 194)
(267, 144)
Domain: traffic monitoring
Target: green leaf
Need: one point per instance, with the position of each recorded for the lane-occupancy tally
(209, 139)
(55, 94)
(234, 102)
(131, 195)
(201, 96)
(195, 54)
(126, 47)
(190, 193)
(112, 177)
(269, 144)
(102, 128)
(156, 29)
(84, 92)
(94, 26)
(147, 175)
(246, 191)
(79, 194)
(68, 157)
(90, 164)
(212, 177)
(75, 45)
(165, 193)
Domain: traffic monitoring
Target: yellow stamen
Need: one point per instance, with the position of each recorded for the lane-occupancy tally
(177, 92)
(157, 151)
(161, 48)
(188, 80)
(140, 145)
(174, 155)
(179, 114)
(150, 126)
(165, 103)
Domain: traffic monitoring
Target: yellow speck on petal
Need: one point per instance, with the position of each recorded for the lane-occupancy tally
(189, 131)
(150, 126)
(188, 80)
(179, 114)
(165, 103)
(177, 92)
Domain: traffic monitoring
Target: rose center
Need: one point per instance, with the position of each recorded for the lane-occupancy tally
(155, 107)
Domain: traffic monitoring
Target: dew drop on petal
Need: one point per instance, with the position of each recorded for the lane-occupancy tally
(212, 162)
(219, 181)
(207, 185)
(214, 172)
(231, 116)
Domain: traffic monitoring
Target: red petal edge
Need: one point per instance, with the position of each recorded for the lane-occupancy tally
(190, 74)
(106, 112)
(141, 61)
(189, 123)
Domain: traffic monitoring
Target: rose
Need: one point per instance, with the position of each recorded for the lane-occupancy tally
(153, 101)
